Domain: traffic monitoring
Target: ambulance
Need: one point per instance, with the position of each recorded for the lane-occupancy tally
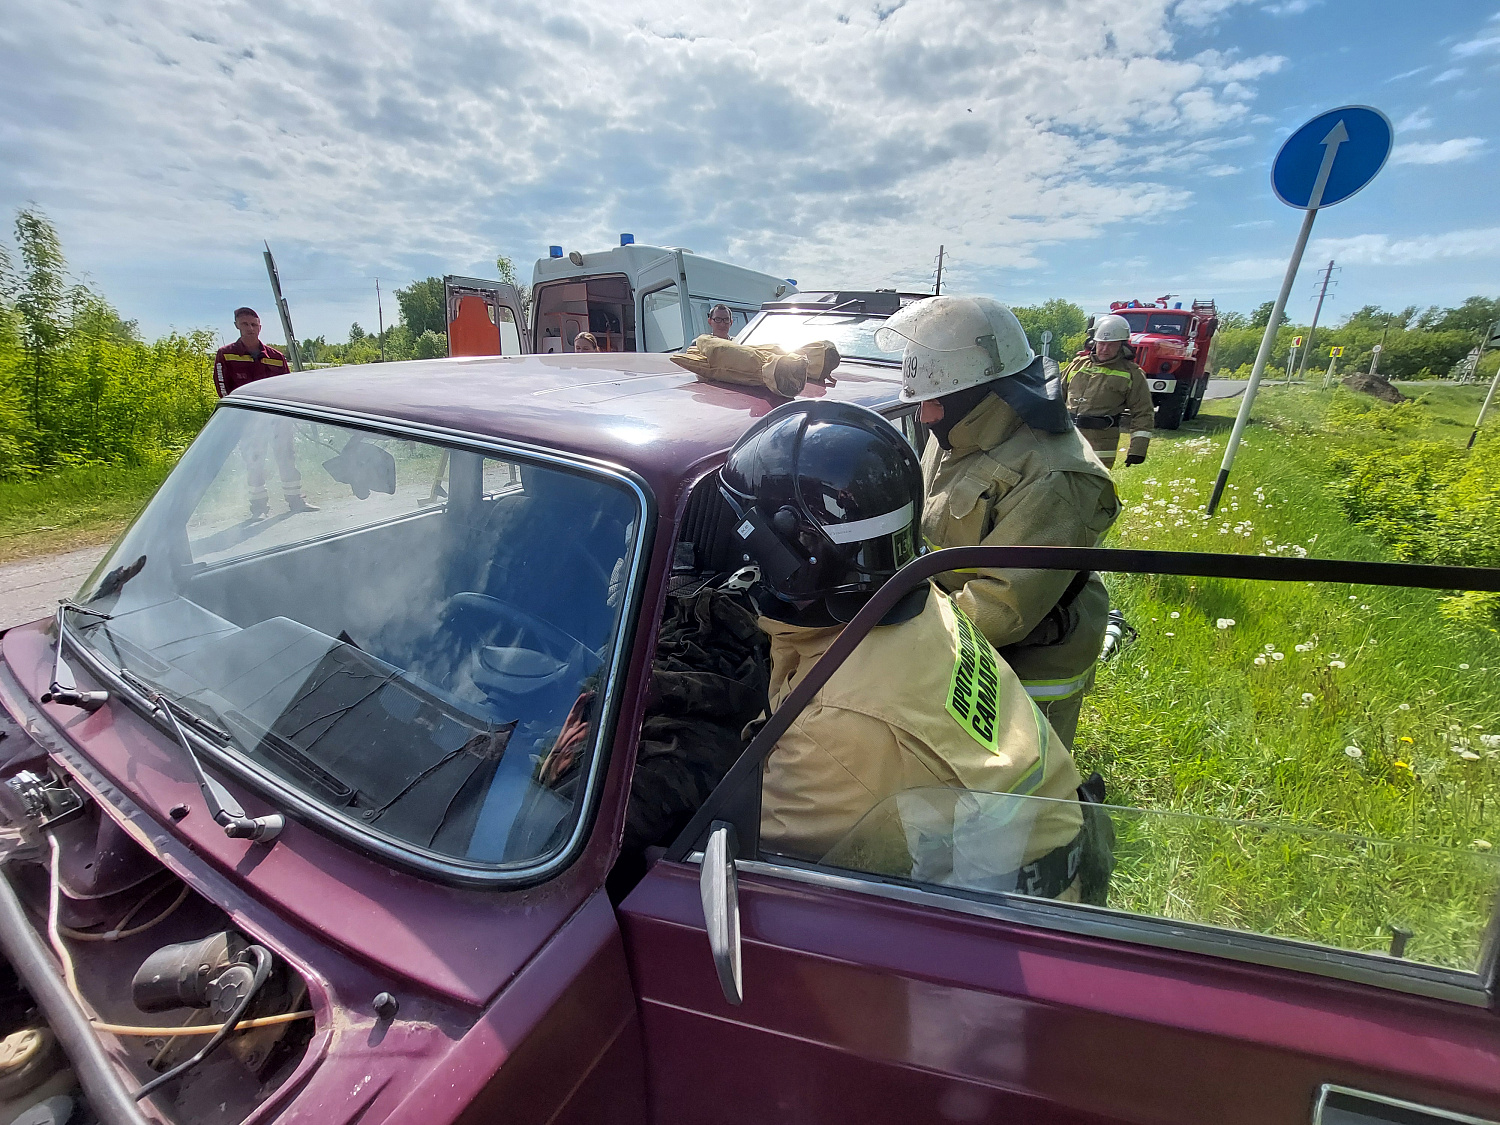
(633, 298)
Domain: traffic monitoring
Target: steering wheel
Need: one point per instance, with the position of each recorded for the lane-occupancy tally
(556, 642)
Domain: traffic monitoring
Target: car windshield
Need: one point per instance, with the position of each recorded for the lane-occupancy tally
(1160, 324)
(399, 635)
(854, 336)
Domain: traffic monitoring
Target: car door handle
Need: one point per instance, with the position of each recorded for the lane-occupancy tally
(719, 888)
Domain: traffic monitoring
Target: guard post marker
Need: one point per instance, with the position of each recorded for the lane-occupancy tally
(1354, 143)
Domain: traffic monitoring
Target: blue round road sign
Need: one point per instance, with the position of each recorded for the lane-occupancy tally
(1332, 157)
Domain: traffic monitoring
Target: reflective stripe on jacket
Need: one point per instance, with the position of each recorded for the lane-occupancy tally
(1116, 388)
(234, 366)
(924, 703)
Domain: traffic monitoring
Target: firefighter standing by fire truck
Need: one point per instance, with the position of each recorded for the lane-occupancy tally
(1107, 392)
(1007, 468)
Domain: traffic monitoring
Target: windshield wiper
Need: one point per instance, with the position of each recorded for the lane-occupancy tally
(222, 806)
(64, 688)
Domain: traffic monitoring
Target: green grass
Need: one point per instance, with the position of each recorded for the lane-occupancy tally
(1187, 721)
(73, 508)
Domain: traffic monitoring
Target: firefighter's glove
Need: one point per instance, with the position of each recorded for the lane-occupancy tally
(1134, 458)
(1137, 451)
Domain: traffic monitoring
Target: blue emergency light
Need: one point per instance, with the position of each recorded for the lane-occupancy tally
(791, 281)
(554, 251)
(627, 240)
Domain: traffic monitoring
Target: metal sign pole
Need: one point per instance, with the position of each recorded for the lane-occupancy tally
(1266, 341)
(1302, 176)
(1488, 398)
(292, 352)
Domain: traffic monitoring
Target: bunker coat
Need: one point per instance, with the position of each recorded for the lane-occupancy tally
(1105, 397)
(919, 705)
(1004, 483)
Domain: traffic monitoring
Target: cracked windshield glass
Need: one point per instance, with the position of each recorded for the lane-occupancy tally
(383, 624)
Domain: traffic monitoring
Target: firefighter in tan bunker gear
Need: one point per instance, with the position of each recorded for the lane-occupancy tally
(1106, 393)
(1008, 468)
(908, 744)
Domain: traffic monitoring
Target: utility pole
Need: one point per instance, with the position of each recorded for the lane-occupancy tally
(380, 314)
(937, 290)
(1312, 333)
(292, 352)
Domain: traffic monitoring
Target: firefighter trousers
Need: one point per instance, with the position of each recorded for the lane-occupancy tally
(1104, 443)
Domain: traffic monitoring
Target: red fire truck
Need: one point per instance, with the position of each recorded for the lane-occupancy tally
(1171, 347)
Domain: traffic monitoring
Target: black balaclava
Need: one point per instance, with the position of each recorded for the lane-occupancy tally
(1028, 392)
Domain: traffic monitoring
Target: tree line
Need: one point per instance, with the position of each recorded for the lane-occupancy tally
(79, 385)
(1415, 343)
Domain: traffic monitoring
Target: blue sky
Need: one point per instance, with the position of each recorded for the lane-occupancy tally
(1089, 149)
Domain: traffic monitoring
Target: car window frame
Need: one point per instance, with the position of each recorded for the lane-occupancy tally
(736, 800)
(362, 837)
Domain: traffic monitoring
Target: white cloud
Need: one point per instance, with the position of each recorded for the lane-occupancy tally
(1291, 7)
(1416, 119)
(1489, 45)
(1437, 152)
(1450, 74)
(1382, 250)
(1407, 74)
(361, 137)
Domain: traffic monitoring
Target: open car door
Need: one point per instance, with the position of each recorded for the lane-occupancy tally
(1344, 991)
(484, 317)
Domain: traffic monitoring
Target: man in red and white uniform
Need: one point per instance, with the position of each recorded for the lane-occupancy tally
(245, 361)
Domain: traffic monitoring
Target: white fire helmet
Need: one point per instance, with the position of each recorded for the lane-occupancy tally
(953, 343)
(1111, 327)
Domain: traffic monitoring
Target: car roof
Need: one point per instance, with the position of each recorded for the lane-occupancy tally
(636, 410)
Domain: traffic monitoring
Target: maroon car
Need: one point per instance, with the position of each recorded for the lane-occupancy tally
(319, 817)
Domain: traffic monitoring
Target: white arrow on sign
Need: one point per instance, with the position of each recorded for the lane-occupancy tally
(1336, 136)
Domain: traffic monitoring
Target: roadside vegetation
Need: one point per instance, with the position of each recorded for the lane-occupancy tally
(93, 416)
(1369, 715)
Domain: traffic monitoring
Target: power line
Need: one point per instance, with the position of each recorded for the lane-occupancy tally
(1312, 333)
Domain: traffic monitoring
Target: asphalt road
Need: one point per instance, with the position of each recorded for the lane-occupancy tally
(1225, 388)
(30, 588)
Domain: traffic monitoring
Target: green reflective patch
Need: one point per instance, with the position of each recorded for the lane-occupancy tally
(974, 691)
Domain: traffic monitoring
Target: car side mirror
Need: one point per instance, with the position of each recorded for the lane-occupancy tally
(719, 888)
(364, 468)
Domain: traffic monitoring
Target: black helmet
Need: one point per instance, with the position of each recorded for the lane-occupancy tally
(828, 498)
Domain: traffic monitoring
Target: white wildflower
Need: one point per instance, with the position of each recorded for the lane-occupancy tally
(1354, 751)
(1463, 667)
(1469, 756)
(1224, 622)
(1490, 741)
(1308, 697)
(1260, 659)
(1174, 615)
(1337, 664)
(1403, 707)
(1278, 656)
